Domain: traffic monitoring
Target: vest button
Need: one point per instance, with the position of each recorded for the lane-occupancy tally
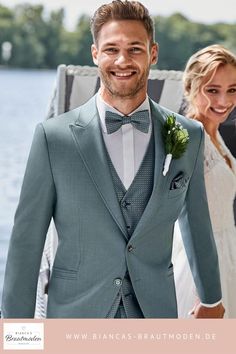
(125, 204)
(117, 282)
(130, 248)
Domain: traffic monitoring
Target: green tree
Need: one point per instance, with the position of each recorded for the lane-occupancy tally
(41, 41)
(29, 28)
(228, 35)
(179, 38)
(172, 34)
(6, 27)
(85, 41)
(52, 40)
(75, 46)
(69, 48)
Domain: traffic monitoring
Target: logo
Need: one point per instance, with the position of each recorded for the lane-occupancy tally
(23, 336)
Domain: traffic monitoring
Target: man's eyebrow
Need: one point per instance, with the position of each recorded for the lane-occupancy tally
(131, 43)
(136, 43)
(109, 44)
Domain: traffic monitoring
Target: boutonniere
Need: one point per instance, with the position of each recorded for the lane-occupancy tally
(175, 139)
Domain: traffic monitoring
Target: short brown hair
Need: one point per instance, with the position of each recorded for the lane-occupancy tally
(121, 10)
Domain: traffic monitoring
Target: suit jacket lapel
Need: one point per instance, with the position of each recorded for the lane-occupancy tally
(89, 141)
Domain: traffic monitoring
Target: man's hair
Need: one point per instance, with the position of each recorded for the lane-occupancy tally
(121, 10)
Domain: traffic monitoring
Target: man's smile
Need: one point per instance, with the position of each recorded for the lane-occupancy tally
(122, 74)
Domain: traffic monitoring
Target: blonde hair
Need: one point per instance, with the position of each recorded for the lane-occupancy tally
(200, 69)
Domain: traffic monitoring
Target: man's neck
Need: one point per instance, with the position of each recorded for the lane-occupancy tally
(123, 105)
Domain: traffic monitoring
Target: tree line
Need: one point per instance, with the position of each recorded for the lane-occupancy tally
(35, 39)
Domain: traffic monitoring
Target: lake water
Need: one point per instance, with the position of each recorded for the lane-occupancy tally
(24, 100)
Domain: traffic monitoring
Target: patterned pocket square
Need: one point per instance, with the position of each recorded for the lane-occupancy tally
(179, 181)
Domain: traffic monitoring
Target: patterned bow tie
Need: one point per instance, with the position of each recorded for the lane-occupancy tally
(140, 120)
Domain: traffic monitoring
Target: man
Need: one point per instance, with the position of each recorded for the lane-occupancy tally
(114, 210)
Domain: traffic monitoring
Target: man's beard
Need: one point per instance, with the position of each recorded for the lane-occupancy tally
(129, 92)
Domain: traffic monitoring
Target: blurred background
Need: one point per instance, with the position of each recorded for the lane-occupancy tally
(43, 34)
(38, 35)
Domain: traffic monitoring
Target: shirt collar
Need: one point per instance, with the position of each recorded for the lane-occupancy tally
(102, 107)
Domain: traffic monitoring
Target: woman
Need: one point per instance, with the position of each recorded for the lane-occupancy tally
(210, 91)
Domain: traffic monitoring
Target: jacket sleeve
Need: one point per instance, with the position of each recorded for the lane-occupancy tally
(31, 223)
(198, 236)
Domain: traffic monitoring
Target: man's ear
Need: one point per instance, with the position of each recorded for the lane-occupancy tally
(154, 53)
(94, 53)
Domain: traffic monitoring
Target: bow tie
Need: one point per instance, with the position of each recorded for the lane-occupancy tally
(140, 120)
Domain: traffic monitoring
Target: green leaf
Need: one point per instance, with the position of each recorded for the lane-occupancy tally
(175, 137)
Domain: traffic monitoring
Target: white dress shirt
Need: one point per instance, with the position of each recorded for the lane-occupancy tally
(127, 146)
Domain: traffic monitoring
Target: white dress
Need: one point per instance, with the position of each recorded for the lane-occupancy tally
(220, 182)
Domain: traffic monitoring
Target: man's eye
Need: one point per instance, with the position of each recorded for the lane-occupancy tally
(111, 50)
(135, 50)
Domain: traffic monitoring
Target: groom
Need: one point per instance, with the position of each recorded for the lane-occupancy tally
(99, 174)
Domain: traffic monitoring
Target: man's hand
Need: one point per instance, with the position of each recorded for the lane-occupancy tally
(201, 311)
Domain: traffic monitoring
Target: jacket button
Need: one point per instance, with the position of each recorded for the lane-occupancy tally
(130, 248)
(117, 282)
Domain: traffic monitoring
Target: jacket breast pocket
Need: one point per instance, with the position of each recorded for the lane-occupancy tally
(69, 274)
(173, 193)
(178, 186)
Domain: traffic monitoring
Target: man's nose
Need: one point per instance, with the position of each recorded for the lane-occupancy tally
(122, 58)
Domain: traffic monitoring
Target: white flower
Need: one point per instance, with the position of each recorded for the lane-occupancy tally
(167, 164)
(175, 139)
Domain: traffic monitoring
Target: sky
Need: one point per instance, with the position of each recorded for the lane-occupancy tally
(205, 11)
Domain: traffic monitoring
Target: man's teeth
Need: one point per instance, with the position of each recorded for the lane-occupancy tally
(123, 74)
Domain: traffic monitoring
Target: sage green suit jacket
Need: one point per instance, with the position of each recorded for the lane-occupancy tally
(68, 179)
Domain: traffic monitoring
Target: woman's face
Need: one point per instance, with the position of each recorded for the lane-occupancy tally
(217, 97)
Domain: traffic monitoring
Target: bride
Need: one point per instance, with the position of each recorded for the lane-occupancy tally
(210, 90)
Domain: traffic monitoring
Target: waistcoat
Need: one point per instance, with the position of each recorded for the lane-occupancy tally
(133, 203)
